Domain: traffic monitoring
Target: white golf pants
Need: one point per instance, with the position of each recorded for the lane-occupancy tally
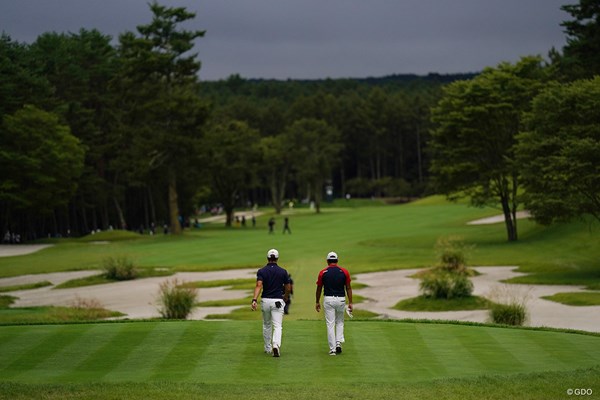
(334, 308)
(272, 322)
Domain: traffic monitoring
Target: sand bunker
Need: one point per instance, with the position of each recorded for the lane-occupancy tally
(137, 298)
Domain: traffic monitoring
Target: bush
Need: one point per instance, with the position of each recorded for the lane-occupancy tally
(452, 254)
(119, 269)
(441, 284)
(508, 314)
(177, 299)
(509, 305)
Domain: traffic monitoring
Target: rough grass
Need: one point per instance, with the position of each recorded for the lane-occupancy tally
(576, 298)
(422, 303)
(29, 286)
(34, 315)
(102, 279)
(6, 301)
(233, 284)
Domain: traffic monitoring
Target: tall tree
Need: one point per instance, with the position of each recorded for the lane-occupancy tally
(40, 162)
(230, 155)
(317, 148)
(473, 145)
(20, 84)
(160, 83)
(582, 52)
(79, 67)
(560, 154)
(276, 166)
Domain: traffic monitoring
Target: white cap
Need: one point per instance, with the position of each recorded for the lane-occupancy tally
(273, 253)
(332, 256)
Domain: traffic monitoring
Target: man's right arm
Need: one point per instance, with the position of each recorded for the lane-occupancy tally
(257, 289)
(318, 298)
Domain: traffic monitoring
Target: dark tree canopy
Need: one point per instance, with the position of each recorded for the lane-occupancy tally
(560, 154)
(474, 141)
(582, 52)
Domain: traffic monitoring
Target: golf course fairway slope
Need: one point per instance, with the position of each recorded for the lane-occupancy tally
(231, 352)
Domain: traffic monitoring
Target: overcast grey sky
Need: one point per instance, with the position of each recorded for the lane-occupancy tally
(311, 39)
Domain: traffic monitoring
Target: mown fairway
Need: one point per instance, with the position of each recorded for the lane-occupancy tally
(230, 352)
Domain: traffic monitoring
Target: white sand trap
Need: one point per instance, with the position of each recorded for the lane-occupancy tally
(498, 218)
(136, 298)
(9, 250)
(388, 288)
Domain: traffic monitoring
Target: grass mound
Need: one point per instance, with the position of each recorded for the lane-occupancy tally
(424, 303)
(576, 298)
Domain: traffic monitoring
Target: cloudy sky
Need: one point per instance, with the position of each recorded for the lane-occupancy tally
(312, 39)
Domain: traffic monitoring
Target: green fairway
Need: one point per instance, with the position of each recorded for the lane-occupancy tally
(231, 353)
(367, 239)
(224, 359)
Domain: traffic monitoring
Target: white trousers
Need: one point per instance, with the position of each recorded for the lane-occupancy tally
(334, 308)
(272, 322)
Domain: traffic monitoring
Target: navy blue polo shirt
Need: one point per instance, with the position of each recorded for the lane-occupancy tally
(274, 278)
(334, 279)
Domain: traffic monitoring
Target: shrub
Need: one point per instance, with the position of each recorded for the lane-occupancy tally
(452, 254)
(442, 284)
(508, 314)
(80, 309)
(176, 299)
(509, 305)
(119, 268)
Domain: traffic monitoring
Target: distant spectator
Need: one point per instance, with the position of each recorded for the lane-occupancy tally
(286, 225)
(271, 225)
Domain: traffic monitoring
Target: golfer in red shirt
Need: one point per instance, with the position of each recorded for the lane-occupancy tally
(336, 281)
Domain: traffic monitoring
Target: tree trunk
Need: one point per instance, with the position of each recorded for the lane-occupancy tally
(509, 219)
(318, 196)
(173, 206)
(343, 181)
(152, 208)
(419, 159)
(122, 223)
(229, 210)
(276, 196)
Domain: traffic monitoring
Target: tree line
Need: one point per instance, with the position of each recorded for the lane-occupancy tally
(527, 134)
(96, 135)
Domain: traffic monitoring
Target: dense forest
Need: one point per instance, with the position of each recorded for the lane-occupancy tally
(96, 134)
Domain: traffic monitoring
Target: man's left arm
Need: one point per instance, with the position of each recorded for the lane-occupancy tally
(349, 293)
(286, 291)
(349, 289)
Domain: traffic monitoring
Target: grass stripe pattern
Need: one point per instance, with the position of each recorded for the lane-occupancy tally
(232, 352)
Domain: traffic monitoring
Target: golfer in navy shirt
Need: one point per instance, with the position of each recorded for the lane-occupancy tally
(336, 281)
(274, 282)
